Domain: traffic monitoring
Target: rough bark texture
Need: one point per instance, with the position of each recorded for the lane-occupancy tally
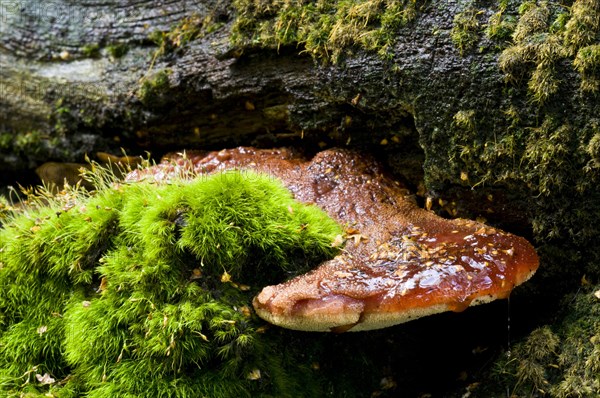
(490, 107)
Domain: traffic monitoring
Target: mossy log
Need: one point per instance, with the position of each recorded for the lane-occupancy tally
(499, 96)
(79, 76)
(489, 107)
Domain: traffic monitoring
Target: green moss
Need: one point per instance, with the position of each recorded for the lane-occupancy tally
(117, 50)
(529, 365)
(465, 119)
(465, 29)
(546, 34)
(533, 20)
(582, 28)
(593, 146)
(21, 142)
(500, 26)
(546, 148)
(145, 290)
(543, 83)
(322, 29)
(464, 142)
(534, 46)
(550, 160)
(587, 63)
(188, 29)
(153, 87)
(91, 50)
(558, 361)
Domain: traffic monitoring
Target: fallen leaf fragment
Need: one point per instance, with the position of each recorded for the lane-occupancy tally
(45, 379)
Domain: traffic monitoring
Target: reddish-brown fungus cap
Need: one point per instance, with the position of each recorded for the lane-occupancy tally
(400, 261)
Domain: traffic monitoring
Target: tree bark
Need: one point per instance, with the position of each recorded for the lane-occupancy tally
(217, 94)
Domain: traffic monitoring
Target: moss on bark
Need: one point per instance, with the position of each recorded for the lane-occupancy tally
(561, 360)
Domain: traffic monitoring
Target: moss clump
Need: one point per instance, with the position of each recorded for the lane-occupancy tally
(593, 150)
(587, 63)
(529, 364)
(465, 143)
(558, 361)
(21, 143)
(552, 161)
(465, 29)
(533, 45)
(544, 145)
(190, 28)
(117, 50)
(152, 88)
(91, 50)
(322, 28)
(185, 31)
(542, 149)
(501, 25)
(582, 28)
(547, 33)
(23, 149)
(145, 290)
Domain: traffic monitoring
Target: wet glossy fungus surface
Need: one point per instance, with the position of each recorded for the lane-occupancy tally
(397, 258)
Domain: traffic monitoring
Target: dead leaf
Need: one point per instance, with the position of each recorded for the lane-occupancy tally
(103, 284)
(196, 274)
(428, 203)
(45, 379)
(246, 311)
(338, 241)
(253, 375)
(585, 281)
(203, 336)
(388, 383)
(357, 238)
(225, 277)
(262, 329)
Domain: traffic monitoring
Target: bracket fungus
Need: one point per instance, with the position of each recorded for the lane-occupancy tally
(400, 262)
